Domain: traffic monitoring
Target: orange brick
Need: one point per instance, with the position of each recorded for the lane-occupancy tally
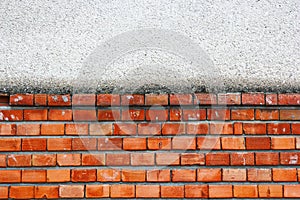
(7, 129)
(289, 114)
(254, 128)
(28, 129)
(233, 143)
(71, 191)
(48, 192)
(181, 99)
(21, 192)
(133, 114)
(125, 129)
(218, 114)
(100, 129)
(289, 158)
(58, 175)
(296, 128)
(93, 159)
(157, 99)
(53, 129)
(192, 159)
(196, 191)
(283, 143)
(3, 192)
(10, 144)
(83, 100)
(149, 129)
(217, 159)
(167, 158)
(97, 191)
(83, 144)
(11, 115)
(84, 115)
(245, 191)
(242, 114)
(229, 99)
(10, 176)
(291, 191)
(142, 159)
(132, 99)
(220, 191)
(122, 191)
(175, 114)
(254, 143)
(110, 143)
(21, 99)
(284, 174)
(117, 159)
(253, 98)
(155, 114)
(184, 175)
(234, 175)
(162, 175)
(108, 175)
(257, 175)
(270, 191)
(288, 99)
(205, 99)
(108, 99)
(35, 115)
(59, 144)
(33, 176)
(159, 143)
(109, 115)
(279, 128)
(195, 128)
(34, 144)
(134, 143)
(238, 128)
(173, 129)
(242, 159)
(43, 160)
(271, 99)
(133, 175)
(209, 175)
(221, 128)
(68, 159)
(59, 100)
(184, 143)
(84, 175)
(208, 143)
(172, 191)
(2, 161)
(147, 191)
(77, 129)
(40, 99)
(267, 158)
(266, 114)
(60, 115)
(194, 114)
(19, 160)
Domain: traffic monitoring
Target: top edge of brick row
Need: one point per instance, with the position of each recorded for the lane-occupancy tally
(153, 99)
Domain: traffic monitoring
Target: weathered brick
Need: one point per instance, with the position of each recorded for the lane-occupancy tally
(110, 143)
(196, 128)
(167, 158)
(233, 143)
(192, 159)
(157, 99)
(84, 115)
(184, 143)
(133, 175)
(84, 175)
(208, 143)
(53, 129)
(289, 114)
(83, 100)
(172, 191)
(109, 114)
(181, 99)
(10, 144)
(100, 129)
(149, 129)
(242, 158)
(43, 160)
(83, 144)
(156, 114)
(229, 99)
(205, 99)
(142, 159)
(217, 159)
(40, 100)
(257, 175)
(133, 114)
(28, 129)
(10, 176)
(258, 143)
(253, 98)
(183, 175)
(270, 191)
(125, 129)
(245, 191)
(71, 191)
(60, 115)
(108, 175)
(162, 175)
(134, 144)
(147, 191)
(283, 143)
(234, 175)
(33, 176)
(159, 143)
(209, 175)
(122, 191)
(132, 99)
(279, 128)
(93, 159)
(117, 159)
(108, 100)
(266, 114)
(97, 191)
(21, 192)
(19, 160)
(59, 144)
(264, 158)
(59, 100)
(7, 129)
(68, 159)
(21, 100)
(220, 191)
(48, 192)
(288, 99)
(34, 144)
(242, 114)
(196, 191)
(254, 128)
(194, 114)
(287, 175)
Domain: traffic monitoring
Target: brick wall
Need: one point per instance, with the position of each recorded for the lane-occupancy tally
(150, 146)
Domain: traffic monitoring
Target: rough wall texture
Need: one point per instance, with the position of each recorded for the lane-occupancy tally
(229, 145)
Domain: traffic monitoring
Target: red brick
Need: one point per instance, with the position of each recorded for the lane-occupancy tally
(287, 175)
(59, 100)
(229, 99)
(133, 114)
(21, 99)
(109, 115)
(173, 129)
(93, 159)
(108, 100)
(100, 129)
(245, 191)
(46, 192)
(19, 160)
(59, 144)
(233, 143)
(194, 114)
(205, 99)
(291, 191)
(262, 158)
(167, 159)
(184, 143)
(28, 129)
(239, 159)
(154, 114)
(84, 115)
(221, 128)
(255, 128)
(2, 161)
(149, 129)
(270, 191)
(10, 176)
(40, 99)
(33, 176)
(218, 114)
(53, 129)
(142, 159)
(68, 159)
(217, 159)
(84, 175)
(21, 192)
(97, 191)
(192, 159)
(83, 100)
(117, 159)
(181, 99)
(209, 175)
(196, 191)
(159, 143)
(234, 175)
(147, 191)
(208, 143)
(4, 100)
(77, 129)
(11, 115)
(271, 99)
(36, 115)
(238, 128)
(283, 143)
(242, 114)
(125, 129)
(43, 160)
(34, 144)
(279, 128)
(267, 114)
(108, 175)
(7, 129)
(3, 192)
(183, 175)
(134, 144)
(133, 175)
(162, 175)
(71, 191)
(296, 128)
(157, 99)
(258, 175)
(290, 158)
(172, 191)
(196, 128)
(288, 99)
(110, 143)
(258, 143)
(175, 114)
(122, 191)
(60, 115)
(289, 114)
(83, 144)
(58, 175)
(132, 99)
(10, 144)
(220, 191)
(253, 98)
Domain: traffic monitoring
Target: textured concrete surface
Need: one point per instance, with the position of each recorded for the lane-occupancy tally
(47, 46)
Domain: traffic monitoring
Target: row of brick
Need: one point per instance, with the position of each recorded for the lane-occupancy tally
(151, 159)
(150, 191)
(154, 99)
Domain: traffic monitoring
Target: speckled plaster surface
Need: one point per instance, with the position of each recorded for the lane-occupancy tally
(45, 45)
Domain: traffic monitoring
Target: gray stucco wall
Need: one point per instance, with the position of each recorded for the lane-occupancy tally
(253, 44)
